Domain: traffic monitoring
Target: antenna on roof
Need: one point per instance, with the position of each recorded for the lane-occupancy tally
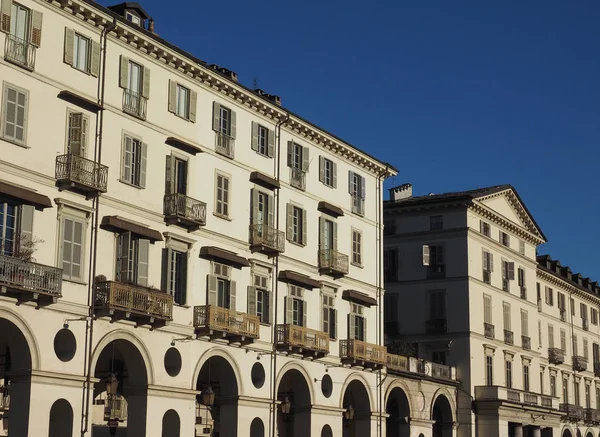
(255, 83)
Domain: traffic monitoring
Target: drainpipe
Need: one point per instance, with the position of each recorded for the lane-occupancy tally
(277, 172)
(85, 418)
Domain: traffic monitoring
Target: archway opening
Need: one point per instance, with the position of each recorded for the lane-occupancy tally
(120, 395)
(442, 417)
(257, 428)
(293, 414)
(171, 425)
(567, 433)
(398, 410)
(326, 431)
(357, 415)
(61, 419)
(589, 434)
(218, 377)
(15, 385)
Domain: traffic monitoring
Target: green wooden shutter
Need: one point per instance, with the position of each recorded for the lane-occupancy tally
(305, 159)
(254, 197)
(193, 105)
(5, 11)
(304, 314)
(126, 161)
(212, 289)
(254, 143)
(75, 133)
(172, 107)
(334, 174)
(36, 28)
(321, 232)
(321, 169)
(232, 127)
(364, 331)
(289, 310)
(26, 224)
(146, 84)
(143, 163)
(169, 172)
(335, 235)
(69, 42)
(304, 228)
(142, 264)
(289, 222)
(335, 324)
(216, 116)
(95, 59)
(252, 300)
(351, 326)
(271, 307)
(123, 244)
(290, 153)
(350, 182)
(123, 71)
(271, 210)
(232, 295)
(271, 143)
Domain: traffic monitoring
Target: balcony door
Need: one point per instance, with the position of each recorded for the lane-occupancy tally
(134, 86)
(19, 22)
(327, 235)
(180, 176)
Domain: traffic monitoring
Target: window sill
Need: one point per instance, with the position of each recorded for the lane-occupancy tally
(74, 281)
(221, 216)
(296, 244)
(360, 266)
(130, 184)
(265, 324)
(16, 143)
(185, 306)
(264, 155)
(86, 71)
(182, 117)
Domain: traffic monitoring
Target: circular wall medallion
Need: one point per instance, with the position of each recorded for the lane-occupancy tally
(420, 401)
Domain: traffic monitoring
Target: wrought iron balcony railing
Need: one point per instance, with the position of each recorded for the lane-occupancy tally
(397, 363)
(302, 339)
(134, 300)
(225, 145)
(134, 104)
(591, 415)
(358, 205)
(267, 238)
(436, 326)
(489, 330)
(526, 342)
(81, 173)
(298, 178)
(360, 351)
(509, 337)
(556, 355)
(495, 393)
(580, 363)
(571, 411)
(181, 209)
(23, 276)
(20, 52)
(229, 323)
(333, 262)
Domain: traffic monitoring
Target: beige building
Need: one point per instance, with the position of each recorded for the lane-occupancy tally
(181, 255)
(521, 330)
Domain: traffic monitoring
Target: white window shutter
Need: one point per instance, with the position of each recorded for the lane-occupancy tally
(305, 314)
(290, 153)
(69, 42)
(321, 232)
(126, 160)
(304, 228)
(26, 223)
(232, 295)
(142, 265)
(146, 85)
(172, 96)
(252, 300)
(254, 199)
(5, 11)
(426, 251)
(351, 326)
(95, 59)
(254, 144)
(305, 159)
(169, 167)
(289, 310)
(335, 236)
(321, 169)
(211, 289)
(36, 28)
(143, 160)
(271, 144)
(123, 71)
(363, 188)
(350, 182)
(232, 127)
(216, 116)
(122, 269)
(271, 211)
(193, 105)
(334, 174)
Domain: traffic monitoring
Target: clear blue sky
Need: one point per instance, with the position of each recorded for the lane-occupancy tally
(456, 94)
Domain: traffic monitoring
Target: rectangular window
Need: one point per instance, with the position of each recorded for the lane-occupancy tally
(586, 353)
(72, 252)
(539, 333)
(521, 281)
(19, 22)
(588, 398)
(583, 313)
(484, 228)
(489, 370)
(542, 380)
(327, 172)
(222, 195)
(16, 229)
(263, 297)
(297, 156)
(506, 315)
(594, 319)
(561, 303)
(435, 260)
(133, 18)
(177, 275)
(296, 225)
(488, 266)
(263, 140)
(329, 315)
(357, 324)
(508, 274)
(390, 265)
(436, 222)
(549, 296)
(295, 306)
(487, 309)
(221, 289)
(133, 170)
(508, 372)
(524, 323)
(575, 352)
(81, 53)
(550, 336)
(526, 377)
(15, 108)
(521, 247)
(356, 247)
(504, 239)
(77, 133)
(553, 385)
(134, 79)
(437, 305)
(576, 393)
(132, 259)
(357, 190)
(538, 290)
(563, 340)
(183, 102)
(565, 390)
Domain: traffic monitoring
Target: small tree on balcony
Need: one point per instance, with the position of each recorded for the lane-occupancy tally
(26, 248)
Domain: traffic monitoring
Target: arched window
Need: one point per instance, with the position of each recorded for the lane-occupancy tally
(257, 428)
(61, 419)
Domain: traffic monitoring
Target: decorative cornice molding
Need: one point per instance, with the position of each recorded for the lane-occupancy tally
(498, 219)
(560, 282)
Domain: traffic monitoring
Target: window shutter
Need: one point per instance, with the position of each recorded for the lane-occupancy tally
(212, 289)
(321, 169)
(143, 165)
(169, 172)
(172, 96)
(271, 207)
(321, 232)
(550, 336)
(252, 300)
(334, 174)
(165, 270)
(487, 309)
(36, 28)
(364, 330)
(504, 269)
(491, 262)
(95, 59)
(232, 127)
(271, 143)
(351, 326)
(5, 10)
(142, 265)
(146, 86)
(254, 143)
(123, 244)
(193, 105)
(506, 314)
(216, 116)
(486, 266)
(290, 153)
(511, 271)
(126, 161)
(232, 296)
(289, 310)
(363, 188)
(123, 71)
(304, 314)
(425, 255)
(350, 180)
(26, 224)
(84, 134)
(289, 222)
(271, 308)
(335, 323)
(69, 42)
(524, 323)
(75, 133)
(304, 228)
(254, 197)
(335, 236)
(305, 159)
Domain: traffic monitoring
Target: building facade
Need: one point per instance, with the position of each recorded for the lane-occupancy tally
(521, 330)
(181, 255)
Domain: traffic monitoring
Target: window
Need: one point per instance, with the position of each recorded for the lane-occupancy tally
(296, 224)
(504, 239)
(594, 318)
(15, 107)
(596, 357)
(327, 237)
(489, 370)
(329, 315)
(521, 281)
(542, 380)
(538, 290)
(540, 334)
(521, 247)
(327, 172)
(438, 357)
(263, 140)
(597, 397)
(24, 27)
(132, 259)
(133, 18)
(585, 348)
(390, 265)
(224, 124)
(563, 340)
(508, 274)
(437, 305)
(262, 218)
(19, 22)
(389, 227)
(222, 195)
(565, 390)
(16, 229)
(77, 133)
(549, 296)
(553, 385)
(356, 247)
(572, 302)
(588, 398)
(562, 306)
(524, 323)
(177, 275)
(576, 392)
(295, 307)
(357, 190)
(584, 315)
(435, 260)
(176, 172)
(487, 309)
(506, 315)
(259, 295)
(526, 377)
(436, 222)
(488, 266)
(357, 323)
(134, 78)
(182, 101)
(298, 161)
(81, 52)
(72, 248)
(550, 336)
(133, 162)
(484, 228)
(508, 372)
(575, 351)
(221, 289)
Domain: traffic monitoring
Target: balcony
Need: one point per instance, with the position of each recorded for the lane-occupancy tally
(143, 305)
(332, 262)
(301, 340)
(80, 174)
(492, 393)
(433, 370)
(591, 416)
(363, 354)
(184, 211)
(29, 281)
(489, 330)
(556, 355)
(134, 104)
(436, 326)
(526, 342)
(358, 205)
(580, 363)
(266, 239)
(19, 52)
(571, 412)
(509, 337)
(225, 145)
(298, 178)
(218, 322)
(397, 363)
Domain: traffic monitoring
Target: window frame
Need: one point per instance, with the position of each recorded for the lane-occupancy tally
(175, 248)
(328, 172)
(5, 89)
(226, 197)
(328, 306)
(133, 18)
(262, 140)
(88, 58)
(82, 218)
(357, 255)
(485, 228)
(17, 208)
(188, 92)
(436, 222)
(85, 120)
(137, 152)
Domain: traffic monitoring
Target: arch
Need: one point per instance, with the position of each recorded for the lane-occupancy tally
(397, 407)
(218, 352)
(589, 434)
(566, 432)
(61, 419)
(257, 428)
(357, 377)
(27, 333)
(442, 417)
(294, 392)
(401, 385)
(356, 397)
(171, 424)
(442, 391)
(295, 366)
(326, 431)
(121, 334)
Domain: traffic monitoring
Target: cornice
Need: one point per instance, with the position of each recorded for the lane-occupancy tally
(558, 281)
(498, 219)
(195, 69)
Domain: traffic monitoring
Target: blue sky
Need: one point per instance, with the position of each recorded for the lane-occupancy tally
(457, 95)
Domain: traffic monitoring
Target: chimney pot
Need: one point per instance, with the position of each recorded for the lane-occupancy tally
(404, 191)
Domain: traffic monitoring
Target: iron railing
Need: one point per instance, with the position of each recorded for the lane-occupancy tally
(363, 351)
(591, 415)
(225, 320)
(489, 330)
(303, 338)
(115, 408)
(180, 206)
(397, 363)
(29, 276)
(298, 178)
(333, 260)
(556, 355)
(135, 299)
(225, 145)
(571, 411)
(134, 103)
(358, 205)
(267, 236)
(580, 363)
(526, 342)
(75, 169)
(436, 326)
(546, 401)
(509, 337)
(20, 52)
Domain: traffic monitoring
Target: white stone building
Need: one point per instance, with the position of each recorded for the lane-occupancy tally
(179, 254)
(521, 330)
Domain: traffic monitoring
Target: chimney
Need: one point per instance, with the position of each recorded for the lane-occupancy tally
(404, 191)
(151, 25)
